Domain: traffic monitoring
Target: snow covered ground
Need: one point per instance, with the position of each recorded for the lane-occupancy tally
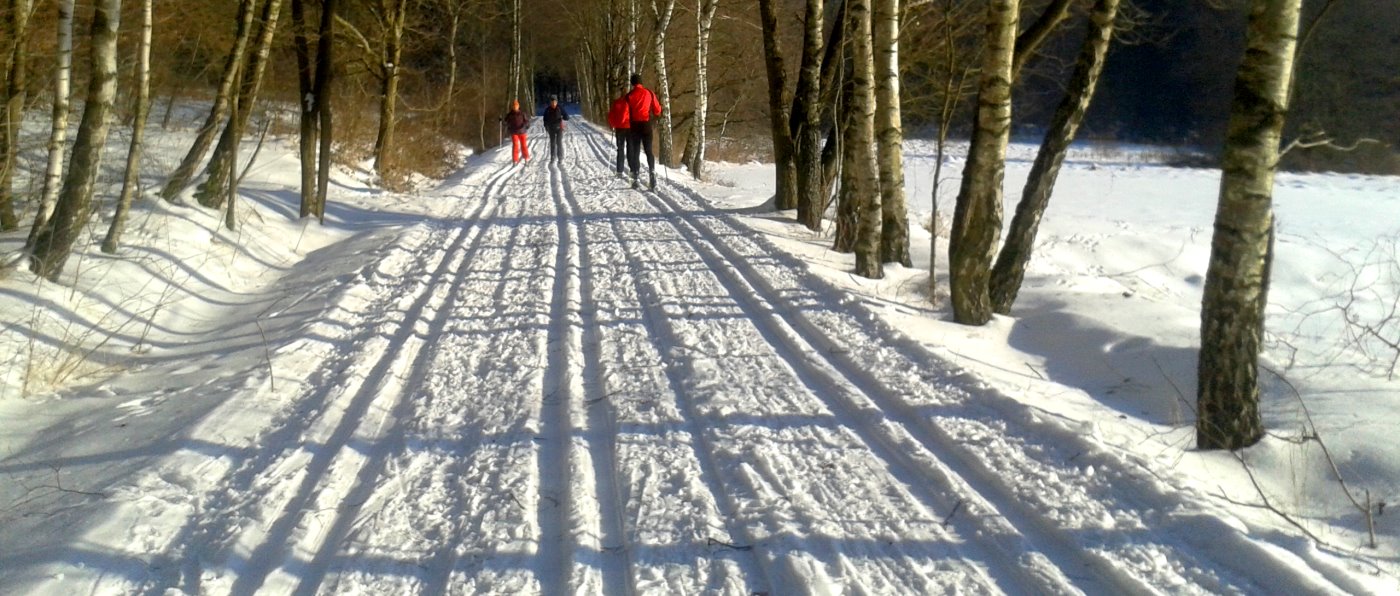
(532, 379)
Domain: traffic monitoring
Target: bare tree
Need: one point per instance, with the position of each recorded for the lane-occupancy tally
(704, 21)
(517, 49)
(977, 215)
(321, 90)
(58, 130)
(55, 242)
(391, 15)
(806, 119)
(204, 139)
(306, 77)
(784, 149)
(12, 96)
(1010, 268)
(1237, 279)
(220, 169)
(662, 14)
(864, 175)
(889, 134)
(138, 132)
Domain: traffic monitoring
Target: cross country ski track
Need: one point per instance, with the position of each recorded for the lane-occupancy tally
(575, 387)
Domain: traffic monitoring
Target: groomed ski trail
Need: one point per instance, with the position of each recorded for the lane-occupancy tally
(580, 388)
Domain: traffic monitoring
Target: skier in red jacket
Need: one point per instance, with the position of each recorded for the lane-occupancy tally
(642, 105)
(620, 123)
(516, 123)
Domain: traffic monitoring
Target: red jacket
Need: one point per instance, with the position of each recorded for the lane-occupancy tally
(617, 116)
(642, 104)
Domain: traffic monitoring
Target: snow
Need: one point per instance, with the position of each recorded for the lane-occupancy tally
(532, 379)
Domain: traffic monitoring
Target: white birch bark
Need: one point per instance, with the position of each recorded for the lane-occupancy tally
(704, 21)
(55, 242)
(1237, 279)
(889, 133)
(978, 213)
(138, 133)
(864, 175)
(663, 14)
(62, 108)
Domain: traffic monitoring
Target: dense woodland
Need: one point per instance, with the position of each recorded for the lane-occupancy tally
(825, 89)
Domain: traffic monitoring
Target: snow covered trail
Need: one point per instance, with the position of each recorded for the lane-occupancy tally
(575, 387)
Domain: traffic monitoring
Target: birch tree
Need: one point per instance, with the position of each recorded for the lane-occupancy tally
(662, 14)
(58, 130)
(219, 172)
(704, 21)
(1010, 269)
(806, 119)
(864, 176)
(12, 98)
(1237, 279)
(977, 215)
(138, 132)
(55, 242)
(204, 138)
(889, 133)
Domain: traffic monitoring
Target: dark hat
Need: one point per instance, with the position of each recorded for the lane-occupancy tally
(554, 98)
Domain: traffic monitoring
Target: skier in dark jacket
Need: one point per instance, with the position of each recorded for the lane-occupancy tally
(516, 123)
(642, 105)
(554, 117)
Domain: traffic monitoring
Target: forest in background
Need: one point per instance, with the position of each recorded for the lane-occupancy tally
(1167, 81)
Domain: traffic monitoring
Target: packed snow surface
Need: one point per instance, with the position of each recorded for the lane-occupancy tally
(533, 379)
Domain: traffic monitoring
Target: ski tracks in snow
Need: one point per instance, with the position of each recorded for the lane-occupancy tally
(580, 388)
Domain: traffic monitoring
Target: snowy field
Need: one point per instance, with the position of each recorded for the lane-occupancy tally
(532, 379)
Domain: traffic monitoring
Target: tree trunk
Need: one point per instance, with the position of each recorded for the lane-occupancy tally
(389, 85)
(58, 131)
(1010, 269)
(977, 215)
(889, 131)
(704, 20)
(138, 133)
(205, 137)
(74, 207)
(806, 119)
(865, 176)
(847, 202)
(953, 85)
(324, 63)
(516, 47)
(1236, 287)
(1029, 41)
(12, 98)
(784, 151)
(663, 83)
(306, 140)
(221, 166)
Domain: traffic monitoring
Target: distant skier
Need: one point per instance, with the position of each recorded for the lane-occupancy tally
(516, 123)
(554, 117)
(642, 105)
(618, 120)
